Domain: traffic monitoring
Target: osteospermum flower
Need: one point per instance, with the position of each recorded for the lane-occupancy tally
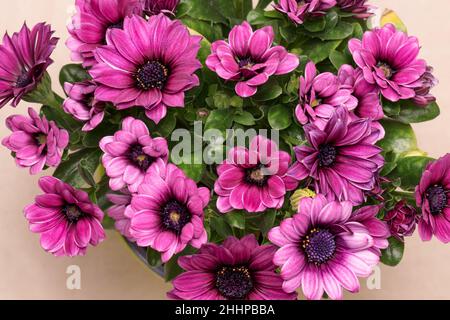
(341, 159)
(24, 58)
(254, 179)
(167, 212)
(235, 270)
(249, 58)
(322, 249)
(298, 11)
(377, 229)
(35, 141)
(130, 154)
(320, 95)
(66, 219)
(154, 7)
(82, 105)
(388, 59)
(368, 96)
(120, 212)
(360, 8)
(139, 67)
(432, 196)
(91, 23)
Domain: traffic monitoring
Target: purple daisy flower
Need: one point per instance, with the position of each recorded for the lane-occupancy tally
(402, 220)
(91, 24)
(388, 59)
(360, 8)
(342, 159)
(82, 105)
(139, 67)
(130, 154)
(155, 7)
(298, 11)
(322, 249)
(432, 196)
(167, 212)
(24, 58)
(368, 96)
(254, 179)
(423, 93)
(121, 212)
(320, 95)
(236, 270)
(35, 141)
(66, 219)
(249, 58)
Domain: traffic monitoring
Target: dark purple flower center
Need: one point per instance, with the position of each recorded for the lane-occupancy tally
(24, 80)
(319, 246)
(72, 213)
(245, 63)
(152, 75)
(387, 70)
(140, 159)
(256, 176)
(234, 282)
(175, 216)
(437, 198)
(327, 155)
(41, 138)
(117, 25)
(88, 100)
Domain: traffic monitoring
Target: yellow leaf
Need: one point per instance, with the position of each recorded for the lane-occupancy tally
(389, 16)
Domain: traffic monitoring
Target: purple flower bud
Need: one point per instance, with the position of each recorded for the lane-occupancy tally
(402, 220)
(423, 96)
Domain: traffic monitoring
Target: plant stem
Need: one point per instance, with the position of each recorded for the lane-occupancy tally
(404, 194)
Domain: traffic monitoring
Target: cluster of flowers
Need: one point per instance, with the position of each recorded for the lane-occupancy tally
(138, 55)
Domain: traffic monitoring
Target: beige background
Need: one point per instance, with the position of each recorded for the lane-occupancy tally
(111, 272)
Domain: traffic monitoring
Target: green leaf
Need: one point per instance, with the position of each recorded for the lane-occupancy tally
(262, 4)
(400, 138)
(316, 24)
(270, 91)
(183, 9)
(193, 166)
(73, 73)
(207, 10)
(338, 59)
(236, 219)
(166, 126)
(408, 112)
(280, 117)
(62, 119)
(92, 138)
(261, 222)
(86, 171)
(318, 50)
(410, 170)
(245, 118)
(108, 223)
(257, 17)
(220, 225)
(68, 171)
(221, 119)
(394, 253)
(153, 257)
(172, 269)
(211, 32)
(341, 31)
